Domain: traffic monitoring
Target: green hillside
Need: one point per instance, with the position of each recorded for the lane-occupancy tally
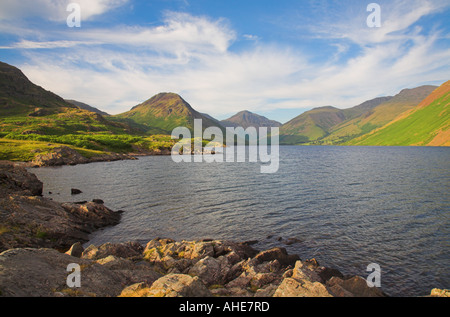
(332, 126)
(311, 125)
(377, 116)
(164, 111)
(34, 120)
(26, 108)
(427, 124)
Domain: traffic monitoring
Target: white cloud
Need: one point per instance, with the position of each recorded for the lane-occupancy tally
(54, 10)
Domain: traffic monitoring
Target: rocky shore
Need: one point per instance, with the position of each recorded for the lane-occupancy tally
(28, 219)
(66, 156)
(40, 238)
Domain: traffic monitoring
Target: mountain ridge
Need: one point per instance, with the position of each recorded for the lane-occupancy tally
(28, 109)
(330, 125)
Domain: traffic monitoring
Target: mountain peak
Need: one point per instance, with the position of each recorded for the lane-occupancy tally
(166, 111)
(247, 119)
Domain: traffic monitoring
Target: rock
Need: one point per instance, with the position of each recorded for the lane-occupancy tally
(75, 191)
(326, 273)
(302, 271)
(17, 180)
(135, 290)
(291, 241)
(65, 155)
(170, 268)
(178, 285)
(43, 273)
(76, 250)
(60, 156)
(435, 292)
(211, 270)
(291, 287)
(39, 112)
(127, 250)
(279, 254)
(40, 222)
(353, 287)
(98, 201)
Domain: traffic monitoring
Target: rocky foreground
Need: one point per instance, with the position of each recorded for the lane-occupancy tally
(28, 219)
(40, 238)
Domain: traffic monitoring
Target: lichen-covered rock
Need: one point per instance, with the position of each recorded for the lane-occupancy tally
(291, 287)
(125, 250)
(436, 292)
(178, 285)
(211, 270)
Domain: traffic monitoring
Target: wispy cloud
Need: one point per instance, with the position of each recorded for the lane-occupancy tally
(117, 68)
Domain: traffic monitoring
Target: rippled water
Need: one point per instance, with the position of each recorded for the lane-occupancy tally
(349, 206)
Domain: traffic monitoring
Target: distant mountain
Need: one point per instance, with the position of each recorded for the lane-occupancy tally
(247, 119)
(428, 123)
(87, 107)
(310, 125)
(166, 111)
(329, 125)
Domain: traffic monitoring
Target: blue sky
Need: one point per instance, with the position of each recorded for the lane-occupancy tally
(275, 58)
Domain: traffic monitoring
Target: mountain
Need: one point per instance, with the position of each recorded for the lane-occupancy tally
(84, 106)
(247, 119)
(166, 111)
(310, 125)
(378, 116)
(329, 125)
(26, 108)
(428, 123)
(19, 96)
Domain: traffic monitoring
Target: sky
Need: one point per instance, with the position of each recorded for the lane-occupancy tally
(275, 58)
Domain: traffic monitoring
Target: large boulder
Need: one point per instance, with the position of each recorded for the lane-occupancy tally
(17, 180)
(33, 221)
(43, 273)
(291, 287)
(211, 270)
(279, 254)
(127, 250)
(178, 285)
(355, 286)
(59, 156)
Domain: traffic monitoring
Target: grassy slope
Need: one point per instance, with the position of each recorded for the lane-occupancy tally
(24, 151)
(426, 124)
(89, 146)
(165, 111)
(310, 125)
(378, 116)
(316, 125)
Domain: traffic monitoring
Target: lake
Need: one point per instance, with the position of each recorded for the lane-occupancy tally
(346, 206)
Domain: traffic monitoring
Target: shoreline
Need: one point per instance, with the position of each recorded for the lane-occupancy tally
(35, 231)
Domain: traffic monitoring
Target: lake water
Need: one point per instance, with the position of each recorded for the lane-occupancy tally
(349, 206)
